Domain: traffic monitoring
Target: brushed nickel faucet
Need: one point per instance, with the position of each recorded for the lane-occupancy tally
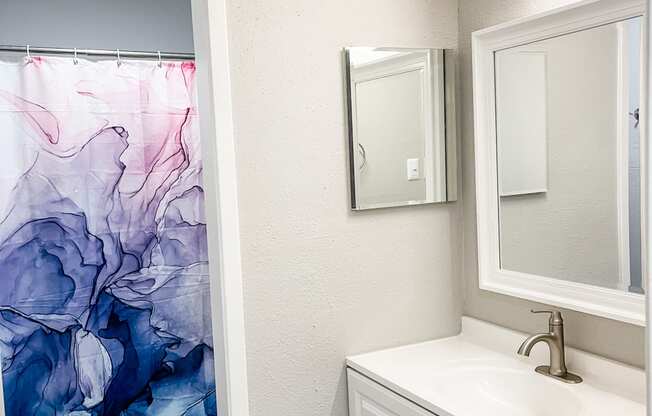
(555, 340)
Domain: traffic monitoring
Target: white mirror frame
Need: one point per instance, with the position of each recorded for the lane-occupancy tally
(608, 303)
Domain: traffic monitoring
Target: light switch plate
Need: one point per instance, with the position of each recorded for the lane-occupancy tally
(413, 173)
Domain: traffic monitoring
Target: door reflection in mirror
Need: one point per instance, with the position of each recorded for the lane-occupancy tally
(400, 143)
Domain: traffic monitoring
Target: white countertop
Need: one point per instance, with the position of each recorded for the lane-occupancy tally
(479, 373)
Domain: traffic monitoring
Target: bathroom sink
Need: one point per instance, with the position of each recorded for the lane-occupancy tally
(500, 390)
(479, 373)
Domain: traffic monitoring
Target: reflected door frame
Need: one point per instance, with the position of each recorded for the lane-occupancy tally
(608, 303)
(624, 125)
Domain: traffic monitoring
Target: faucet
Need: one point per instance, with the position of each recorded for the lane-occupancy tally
(555, 340)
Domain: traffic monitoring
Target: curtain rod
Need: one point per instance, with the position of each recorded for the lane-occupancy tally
(97, 52)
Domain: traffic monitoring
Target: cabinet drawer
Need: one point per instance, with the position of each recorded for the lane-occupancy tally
(368, 398)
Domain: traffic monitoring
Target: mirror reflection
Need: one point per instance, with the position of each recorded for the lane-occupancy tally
(397, 127)
(568, 151)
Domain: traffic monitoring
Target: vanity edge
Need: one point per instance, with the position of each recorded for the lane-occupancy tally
(602, 373)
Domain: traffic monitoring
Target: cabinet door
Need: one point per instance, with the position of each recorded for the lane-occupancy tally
(368, 398)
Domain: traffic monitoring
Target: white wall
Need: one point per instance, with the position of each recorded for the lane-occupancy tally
(570, 232)
(602, 336)
(320, 281)
(98, 24)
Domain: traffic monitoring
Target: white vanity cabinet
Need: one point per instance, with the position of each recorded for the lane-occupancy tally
(368, 398)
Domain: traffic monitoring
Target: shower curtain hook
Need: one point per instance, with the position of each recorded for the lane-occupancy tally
(29, 56)
(119, 60)
(160, 62)
(74, 59)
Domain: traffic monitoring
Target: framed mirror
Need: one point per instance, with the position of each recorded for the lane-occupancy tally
(560, 189)
(402, 126)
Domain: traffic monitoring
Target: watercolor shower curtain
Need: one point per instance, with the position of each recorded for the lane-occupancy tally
(104, 288)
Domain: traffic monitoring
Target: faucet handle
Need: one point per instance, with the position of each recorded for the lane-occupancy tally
(555, 316)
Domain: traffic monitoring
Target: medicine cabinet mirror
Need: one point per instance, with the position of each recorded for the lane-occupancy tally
(401, 126)
(559, 158)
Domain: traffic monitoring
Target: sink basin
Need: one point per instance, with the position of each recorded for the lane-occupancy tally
(500, 390)
(479, 373)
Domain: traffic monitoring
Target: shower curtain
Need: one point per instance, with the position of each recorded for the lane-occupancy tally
(104, 285)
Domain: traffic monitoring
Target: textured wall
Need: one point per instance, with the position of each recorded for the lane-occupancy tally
(98, 24)
(602, 336)
(322, 282)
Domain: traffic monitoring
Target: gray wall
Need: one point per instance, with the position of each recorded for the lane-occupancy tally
(322, 282)
(148, 25)
(602, 336)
